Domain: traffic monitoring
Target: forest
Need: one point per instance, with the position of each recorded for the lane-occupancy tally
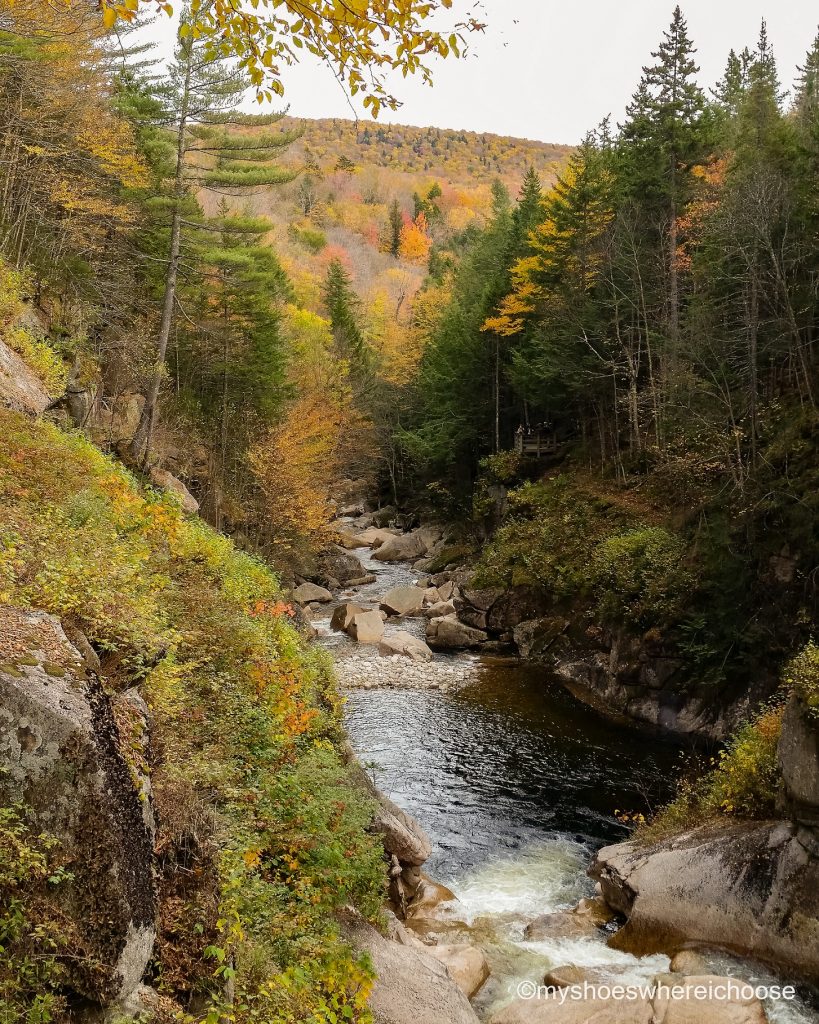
(279, 315)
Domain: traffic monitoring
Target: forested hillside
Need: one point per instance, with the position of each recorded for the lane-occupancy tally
(587, 374)
(653, 319)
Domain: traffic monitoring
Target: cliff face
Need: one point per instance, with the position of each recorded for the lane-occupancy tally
(63, 755)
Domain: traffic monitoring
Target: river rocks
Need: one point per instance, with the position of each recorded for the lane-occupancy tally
(382, 517)
(401, 834)
(472, 617)
(338, 567)
(405, 644)
(170, 484)
(745, 886)
(403, 601)
(308, 592)
(343, 615)
(401, 548)
(569, 974)
(61, 754)
(446, 591)
(799, 762)
(412, 987)
(431, 595)
(439, 610)
(448, 632)
(357, 669)
(560, 925)
(467, 965)
(366, 627)
(687, 962)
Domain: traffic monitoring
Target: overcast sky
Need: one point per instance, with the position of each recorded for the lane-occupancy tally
(553, 69)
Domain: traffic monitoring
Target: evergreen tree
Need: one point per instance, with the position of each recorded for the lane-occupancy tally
(394, 227)
(201, 95)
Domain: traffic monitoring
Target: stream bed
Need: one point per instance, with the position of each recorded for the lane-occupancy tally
(517, 783)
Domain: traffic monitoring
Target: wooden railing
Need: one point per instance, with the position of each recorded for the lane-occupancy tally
(536, 444)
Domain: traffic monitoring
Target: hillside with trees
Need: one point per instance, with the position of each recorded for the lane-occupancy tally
(573, 387)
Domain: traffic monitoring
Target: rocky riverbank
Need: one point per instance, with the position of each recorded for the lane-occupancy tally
(369, 627)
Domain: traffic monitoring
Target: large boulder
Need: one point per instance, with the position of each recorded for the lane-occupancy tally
(411, 987)
(749, 887)
(799, 762)
(168, 483)
(448, 633)
(366, 627)
(467, 965)
(20, 388)
(403, 601)
(405, 547)
(350, 540)
(439, 610)
(63, 756)
(337, 566)
(405, 644)
(307, 592)
(343, 615)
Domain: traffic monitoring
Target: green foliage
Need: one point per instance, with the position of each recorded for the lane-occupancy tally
(37, 353)
(743, 781)
(802, 677)
(245, 713)
(33, 935)
(311, 238)
(577, 544)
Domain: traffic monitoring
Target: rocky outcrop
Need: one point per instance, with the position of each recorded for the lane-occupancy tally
(21, 390)
(170, 484)
(64, 756)
(412, 987)
(747, 887)
(799, 763)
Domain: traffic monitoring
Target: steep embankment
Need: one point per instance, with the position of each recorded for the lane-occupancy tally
(176, 801)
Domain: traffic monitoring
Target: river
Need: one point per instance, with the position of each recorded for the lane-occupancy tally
(517, 783)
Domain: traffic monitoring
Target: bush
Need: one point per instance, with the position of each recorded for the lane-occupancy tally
(743, 781)
(802, 677)
(37, 353)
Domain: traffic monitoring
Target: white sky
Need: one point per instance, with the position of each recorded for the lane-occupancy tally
(552, 69)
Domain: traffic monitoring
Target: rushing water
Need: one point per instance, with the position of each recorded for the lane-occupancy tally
(517, 783)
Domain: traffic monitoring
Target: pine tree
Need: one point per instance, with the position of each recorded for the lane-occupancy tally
(343, 308)
(201, 95)
(394, 227)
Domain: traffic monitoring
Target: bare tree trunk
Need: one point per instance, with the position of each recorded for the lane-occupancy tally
(141, 443)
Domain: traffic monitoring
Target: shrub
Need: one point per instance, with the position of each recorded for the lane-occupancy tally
(743, 781)
(802, 677)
